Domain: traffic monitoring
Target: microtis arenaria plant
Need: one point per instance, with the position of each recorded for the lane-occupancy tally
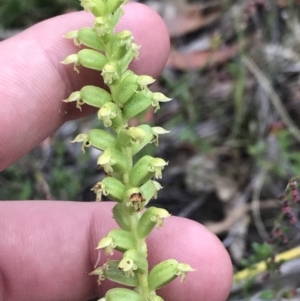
(130, 182)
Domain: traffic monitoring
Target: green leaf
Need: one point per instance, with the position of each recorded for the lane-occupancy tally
(267, 295)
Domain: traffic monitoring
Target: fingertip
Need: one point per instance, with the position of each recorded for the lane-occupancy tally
(155, 39)
(34, 57)
(190, 242)
(147, 27)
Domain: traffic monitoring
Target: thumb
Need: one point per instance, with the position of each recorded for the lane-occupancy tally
(48, 249)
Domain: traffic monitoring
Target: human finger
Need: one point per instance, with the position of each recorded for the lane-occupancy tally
(34, 83)
(48, 249)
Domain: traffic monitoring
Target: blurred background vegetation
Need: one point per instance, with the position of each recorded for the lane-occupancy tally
(234, 75)
(22, 14)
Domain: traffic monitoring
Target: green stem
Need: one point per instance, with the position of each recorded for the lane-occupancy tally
(142, 247)
(143, 281)
(135, 216)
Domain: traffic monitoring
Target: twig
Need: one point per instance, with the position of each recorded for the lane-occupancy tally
(261, 266)
(235, 214)
(264, 82)
(255, 204)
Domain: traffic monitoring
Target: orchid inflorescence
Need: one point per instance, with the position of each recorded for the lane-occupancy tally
(128, 181)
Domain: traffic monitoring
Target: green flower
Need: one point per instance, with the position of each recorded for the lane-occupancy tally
(128, 266)
(125, 39)
(99, 191)
(144, 81)
(84, 138)
(75, 96)
(134, 198)
(106, 114)
(101, 26)
(157, 165)
(157, 130)
(73, 35)
(87, 5)
(100, 273)
(183, 269)
(107, 244)
(158, 97)
(106, 161)
(110, 73)
(135, 50)
(72, 59)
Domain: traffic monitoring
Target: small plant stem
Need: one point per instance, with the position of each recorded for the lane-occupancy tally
(143, 281)
(141, 243)
(142, 247)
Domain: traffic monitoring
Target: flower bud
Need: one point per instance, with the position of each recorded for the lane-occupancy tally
(97, 138)
(133, 261)
(126, 89)
(122, 217)
(147, 139)
(111, 115)
(138, 103)
(145, 169)
(163, 273)
(152, 217)
(95, 96)
(99, 7)
(88, 37)
(113, 5)
(92, 59)
(166, 271)
(148, 191)
(112, 160)
(124, 138)
(110, 187)
(112, 272)
(122, 294)
(116, 16)
(128, 56)
(140, 172)
(91, 95)
(118, 239)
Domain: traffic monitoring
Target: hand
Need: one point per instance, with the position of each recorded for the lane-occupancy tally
(48, 248)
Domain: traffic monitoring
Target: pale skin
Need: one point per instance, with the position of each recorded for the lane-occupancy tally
(47, 248)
